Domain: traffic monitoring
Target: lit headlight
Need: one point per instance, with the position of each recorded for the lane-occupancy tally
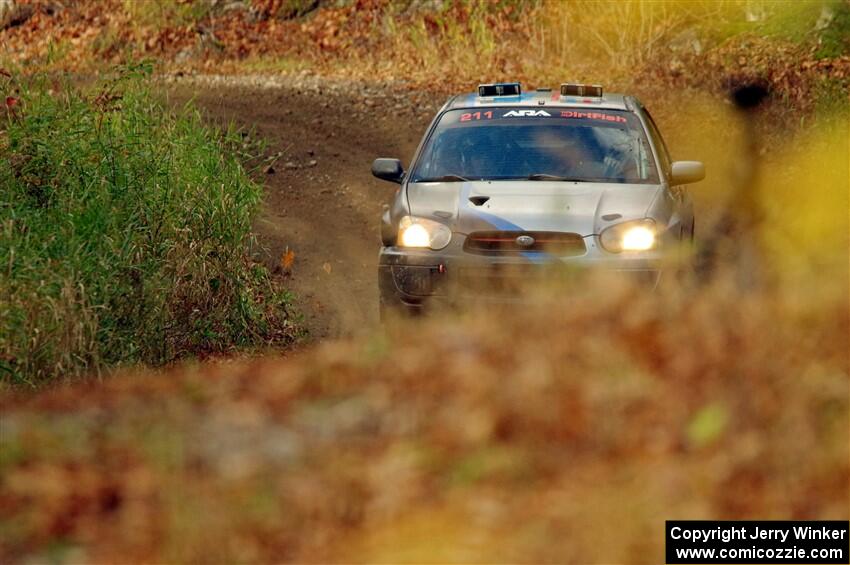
(639, 235)
(421, 232)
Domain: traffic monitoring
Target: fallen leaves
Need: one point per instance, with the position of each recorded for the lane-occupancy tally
(461, 43)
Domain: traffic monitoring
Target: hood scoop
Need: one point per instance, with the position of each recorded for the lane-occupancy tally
(479, 200)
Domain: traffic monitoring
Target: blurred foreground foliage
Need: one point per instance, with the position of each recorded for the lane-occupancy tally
(564, 431)
(125, 234)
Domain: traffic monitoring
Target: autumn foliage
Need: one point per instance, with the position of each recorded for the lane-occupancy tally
(517, 437)
(799, 49)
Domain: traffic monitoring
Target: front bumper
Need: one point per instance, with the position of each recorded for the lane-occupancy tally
(410, 279)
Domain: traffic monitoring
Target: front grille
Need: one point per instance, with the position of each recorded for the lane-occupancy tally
(505, 242)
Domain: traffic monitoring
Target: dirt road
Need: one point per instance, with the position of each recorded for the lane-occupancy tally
(322, 202)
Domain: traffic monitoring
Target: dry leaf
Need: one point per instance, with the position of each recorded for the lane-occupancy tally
(287, 259)
(327, 267)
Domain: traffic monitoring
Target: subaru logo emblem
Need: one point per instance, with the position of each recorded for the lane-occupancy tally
(525, 241)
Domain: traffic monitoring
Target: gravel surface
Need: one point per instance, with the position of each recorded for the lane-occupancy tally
(322, 203)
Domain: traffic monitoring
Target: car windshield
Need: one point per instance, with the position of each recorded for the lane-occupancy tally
(569, 144)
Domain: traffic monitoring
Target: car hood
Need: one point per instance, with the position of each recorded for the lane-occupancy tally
(561, 206)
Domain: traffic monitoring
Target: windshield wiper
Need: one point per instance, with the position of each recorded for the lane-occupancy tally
(544, 176)
(445, 178)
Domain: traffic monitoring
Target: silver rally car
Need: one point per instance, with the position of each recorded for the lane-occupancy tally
(506, 183)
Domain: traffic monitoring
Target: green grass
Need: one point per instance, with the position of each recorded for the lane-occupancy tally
(125, 234)
(835, 37)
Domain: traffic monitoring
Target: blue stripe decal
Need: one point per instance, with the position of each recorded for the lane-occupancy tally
(501, 224)
(497, 222)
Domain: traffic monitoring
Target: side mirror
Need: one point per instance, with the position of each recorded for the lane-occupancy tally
(388, 169)
(685, 172)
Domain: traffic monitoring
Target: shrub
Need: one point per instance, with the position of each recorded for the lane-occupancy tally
(126, 234)
(514, 435)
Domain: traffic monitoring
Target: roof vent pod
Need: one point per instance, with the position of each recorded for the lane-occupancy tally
(499, 89)
(588, 90)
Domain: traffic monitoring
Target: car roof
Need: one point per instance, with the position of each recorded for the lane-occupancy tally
(542, 98)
